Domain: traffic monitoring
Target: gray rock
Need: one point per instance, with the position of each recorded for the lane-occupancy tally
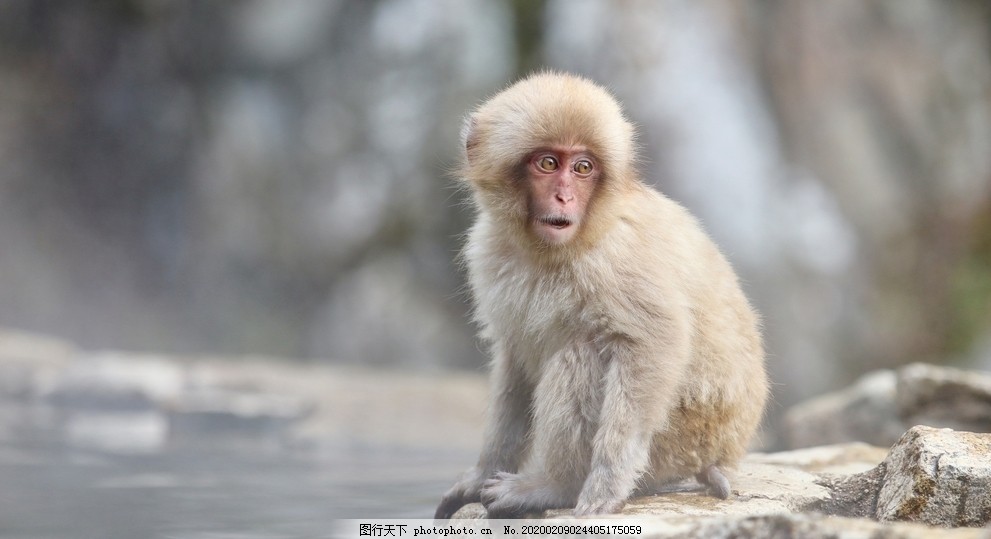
(930, 478)
(137, 403)
(224, 411)
(765, 526)
(938, 476)
(944, 397)
(117, 432)
(865, 412)
(764, 484)
(808, 526)
(882, 405)
(113, 402)
(111, 381)
(28, 360)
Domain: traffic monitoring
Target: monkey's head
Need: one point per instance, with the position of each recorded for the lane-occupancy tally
(545, 155)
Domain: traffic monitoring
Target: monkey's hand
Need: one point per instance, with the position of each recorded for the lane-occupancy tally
(466, 490)
(600, 495)
(601, 507)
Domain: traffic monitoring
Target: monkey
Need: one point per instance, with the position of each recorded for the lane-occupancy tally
(624, 353)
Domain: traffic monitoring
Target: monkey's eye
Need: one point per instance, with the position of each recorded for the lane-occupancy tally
(583, 167)
(547, 163)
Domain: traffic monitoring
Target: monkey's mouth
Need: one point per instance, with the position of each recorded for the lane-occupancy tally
(555, 221)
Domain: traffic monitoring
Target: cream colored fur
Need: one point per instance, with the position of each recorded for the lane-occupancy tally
(627, 357)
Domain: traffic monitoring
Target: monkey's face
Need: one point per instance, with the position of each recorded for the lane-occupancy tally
(559, 183)
(546, 159)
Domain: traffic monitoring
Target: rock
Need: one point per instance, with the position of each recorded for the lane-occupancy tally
(938, 476)
(112, 381)
(863, 412)
(214, 411)
(117, 432)
(28, 360)
(882, 405)
(805, 526)
(764, 484)
(137, 403)
(931, 477)
(20, 346)
(354, 407)
(113, 402)
(944, 397)
(768, 526)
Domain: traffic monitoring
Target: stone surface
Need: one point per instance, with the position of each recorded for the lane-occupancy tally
(362, 407)
(935, 477)
(136, 403)
(763, 526)
(28, 359)
(765, 483)
(882, 405)
(115, 381)
(236, 412)
(804, 526)
(944, 397)
(938, 476)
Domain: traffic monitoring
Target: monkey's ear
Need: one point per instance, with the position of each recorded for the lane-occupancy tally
(469, 137)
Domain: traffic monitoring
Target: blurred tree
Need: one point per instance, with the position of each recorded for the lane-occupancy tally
(528, 17)
(838, 152)
(211, 176)
(273, 176)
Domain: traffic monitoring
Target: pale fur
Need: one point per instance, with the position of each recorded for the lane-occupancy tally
(626, 358)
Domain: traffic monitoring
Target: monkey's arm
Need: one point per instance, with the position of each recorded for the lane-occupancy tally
(506, 438)
(639, 394)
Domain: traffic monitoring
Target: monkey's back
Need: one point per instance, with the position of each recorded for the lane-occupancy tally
(724, 391)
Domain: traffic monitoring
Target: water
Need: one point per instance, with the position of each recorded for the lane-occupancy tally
(213, 486)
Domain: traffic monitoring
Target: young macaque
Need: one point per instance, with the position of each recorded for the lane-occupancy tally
(625, 354)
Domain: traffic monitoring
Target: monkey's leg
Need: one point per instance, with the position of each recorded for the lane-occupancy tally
(621, 448)
(506, 439)
(566, 402)
(716, 480)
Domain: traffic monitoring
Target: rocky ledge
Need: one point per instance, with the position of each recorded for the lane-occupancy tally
(880, 406)
(133, 403)
(932, 483)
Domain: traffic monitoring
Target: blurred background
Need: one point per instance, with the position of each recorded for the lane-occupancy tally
(272, 177)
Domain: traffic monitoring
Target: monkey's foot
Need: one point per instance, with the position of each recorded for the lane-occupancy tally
(450, 505)
(508, 495)
(465, 491)
(716, 480)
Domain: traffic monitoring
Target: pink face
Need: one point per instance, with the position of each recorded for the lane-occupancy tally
(560, 181)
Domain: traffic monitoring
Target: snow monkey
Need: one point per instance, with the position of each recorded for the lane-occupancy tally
(625, 354)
